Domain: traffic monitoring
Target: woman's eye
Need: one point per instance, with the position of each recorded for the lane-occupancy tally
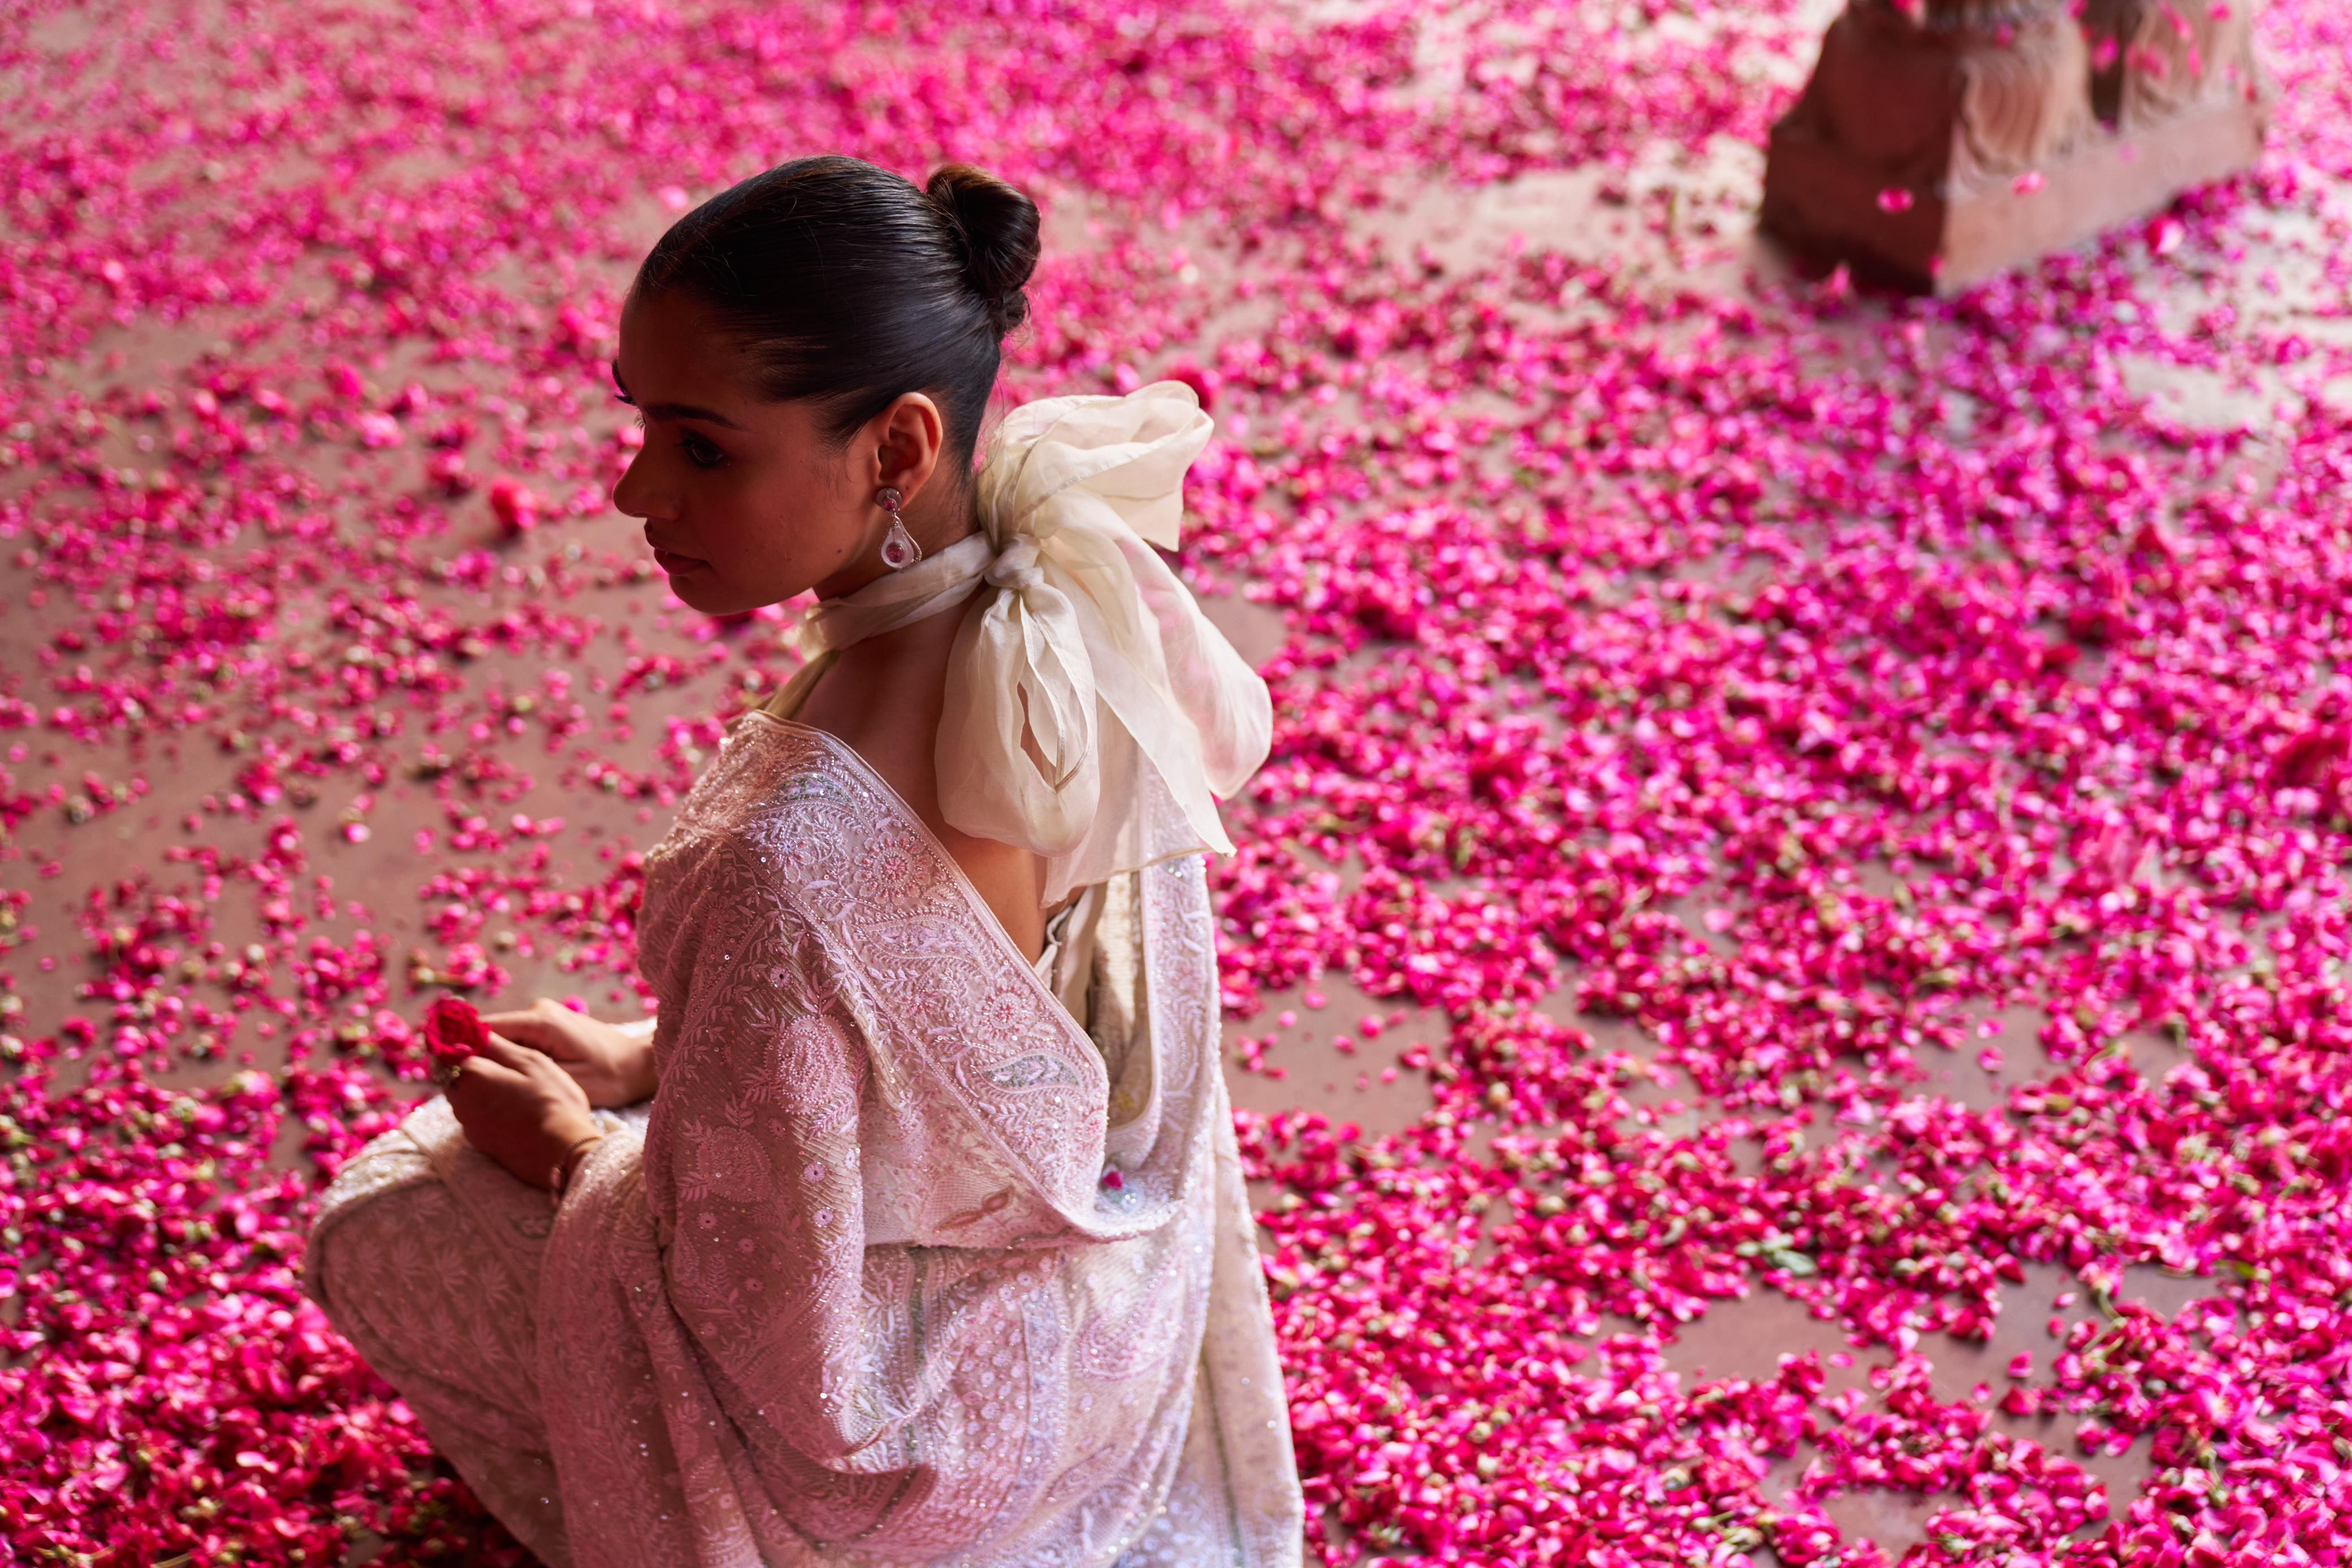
(700, 453)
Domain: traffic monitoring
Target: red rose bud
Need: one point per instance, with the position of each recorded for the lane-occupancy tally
(517, 507)
(2107, 855)
(1203, 383)
(2157, 542)
(448, 469)
(453, 1029)
(2310, 757)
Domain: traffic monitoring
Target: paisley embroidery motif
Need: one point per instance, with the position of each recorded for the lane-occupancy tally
(731, 1161)
(1029, 1071)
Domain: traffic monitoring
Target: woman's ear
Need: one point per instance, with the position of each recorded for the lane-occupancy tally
(908, 437)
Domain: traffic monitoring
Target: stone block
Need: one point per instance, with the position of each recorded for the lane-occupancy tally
(1941, 141)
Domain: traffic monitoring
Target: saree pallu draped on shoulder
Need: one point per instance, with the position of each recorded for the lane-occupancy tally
(882, 1280)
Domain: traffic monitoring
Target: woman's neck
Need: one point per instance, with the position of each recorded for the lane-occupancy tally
(913, 657)
(883, 697)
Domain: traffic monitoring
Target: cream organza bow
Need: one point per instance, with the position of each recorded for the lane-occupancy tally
(1141, 711)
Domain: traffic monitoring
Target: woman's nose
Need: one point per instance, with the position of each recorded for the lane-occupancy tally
(639, 495)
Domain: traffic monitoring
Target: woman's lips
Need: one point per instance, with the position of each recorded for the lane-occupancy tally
(675, 565)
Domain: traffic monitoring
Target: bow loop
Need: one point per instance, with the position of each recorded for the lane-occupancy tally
(1093, 713)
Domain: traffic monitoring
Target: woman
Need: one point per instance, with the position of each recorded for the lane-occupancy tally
(931, 1246)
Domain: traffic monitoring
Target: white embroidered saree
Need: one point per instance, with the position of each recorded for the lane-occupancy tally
(904, 1266)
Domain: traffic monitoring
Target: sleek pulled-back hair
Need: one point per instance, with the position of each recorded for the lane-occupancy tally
(848, 285)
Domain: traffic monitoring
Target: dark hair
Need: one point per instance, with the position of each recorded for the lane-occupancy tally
(846, 282)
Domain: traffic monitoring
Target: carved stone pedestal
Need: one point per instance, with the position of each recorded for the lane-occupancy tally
(1941, 141)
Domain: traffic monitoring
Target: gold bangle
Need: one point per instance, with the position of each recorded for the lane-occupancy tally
(559, 1174)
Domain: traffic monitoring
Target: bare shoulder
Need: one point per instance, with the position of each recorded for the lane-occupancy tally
(1009, 879)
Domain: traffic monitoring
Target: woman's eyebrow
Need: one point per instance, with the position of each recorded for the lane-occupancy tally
(671, 410)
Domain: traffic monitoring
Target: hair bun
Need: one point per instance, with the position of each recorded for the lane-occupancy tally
(996, 228)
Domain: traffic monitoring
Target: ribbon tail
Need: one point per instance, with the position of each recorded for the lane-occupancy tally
(1019, 669)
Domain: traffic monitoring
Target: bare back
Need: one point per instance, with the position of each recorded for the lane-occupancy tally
(883, 699)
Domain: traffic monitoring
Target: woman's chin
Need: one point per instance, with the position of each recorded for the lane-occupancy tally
(698, 585)
(698, 588)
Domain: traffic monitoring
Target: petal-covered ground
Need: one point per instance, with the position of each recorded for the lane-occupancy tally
(1788, 963)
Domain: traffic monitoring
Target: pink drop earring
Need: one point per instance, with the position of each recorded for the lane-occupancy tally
(900, 549)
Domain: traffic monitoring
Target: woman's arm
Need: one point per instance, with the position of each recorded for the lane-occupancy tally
(751, 1170)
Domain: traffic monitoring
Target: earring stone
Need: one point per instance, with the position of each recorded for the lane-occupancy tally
(900, 549)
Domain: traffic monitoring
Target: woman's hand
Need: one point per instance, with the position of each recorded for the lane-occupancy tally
(521, 1109)
(612, 1068)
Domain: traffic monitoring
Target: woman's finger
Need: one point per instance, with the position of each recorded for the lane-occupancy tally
(488, 1073)
(529, 1030)
(525, 1029)
(509, 1053)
